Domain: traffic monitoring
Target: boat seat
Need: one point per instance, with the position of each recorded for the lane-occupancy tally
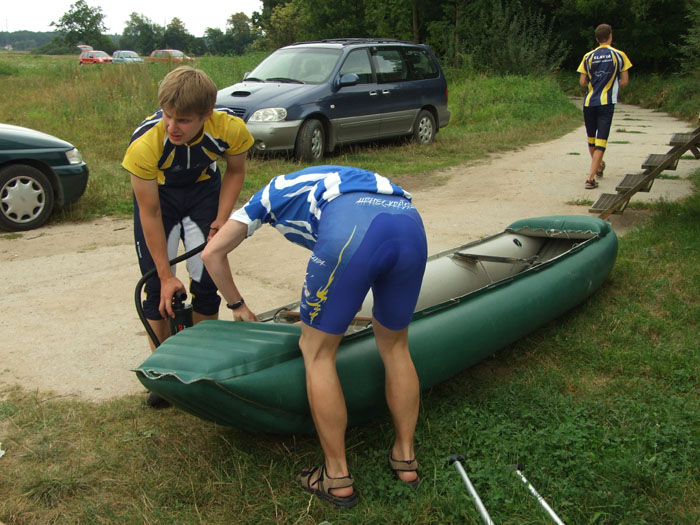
(553, 248)
(474, 257)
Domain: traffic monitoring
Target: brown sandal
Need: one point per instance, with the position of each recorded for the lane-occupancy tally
(601, 169)
(324, 484)
(399, 465)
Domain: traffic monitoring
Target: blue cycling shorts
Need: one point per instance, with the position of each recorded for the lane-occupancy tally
(365, 241)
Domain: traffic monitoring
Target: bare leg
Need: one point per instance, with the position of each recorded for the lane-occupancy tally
(326, 399)
(402, 391)
(596, 160)
(161, 329)
(200, 317)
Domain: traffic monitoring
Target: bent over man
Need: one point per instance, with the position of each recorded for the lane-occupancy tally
(364, 234)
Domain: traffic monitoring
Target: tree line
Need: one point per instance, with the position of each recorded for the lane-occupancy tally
(491, 36)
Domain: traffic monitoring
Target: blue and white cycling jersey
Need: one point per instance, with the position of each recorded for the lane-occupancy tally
(293, 203)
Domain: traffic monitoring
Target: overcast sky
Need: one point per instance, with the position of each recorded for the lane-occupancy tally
(37, 15)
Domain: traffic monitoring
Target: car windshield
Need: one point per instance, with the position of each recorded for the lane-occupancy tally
(129, 54)
(101, 54)
(177, 53)
(303, 65)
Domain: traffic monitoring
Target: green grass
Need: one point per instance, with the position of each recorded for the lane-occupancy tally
(97, 108)
(601, 406)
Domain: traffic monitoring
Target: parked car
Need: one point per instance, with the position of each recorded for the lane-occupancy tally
(37, 172)
(168, 55)
(92, 56)
(125, 57)
(309, 97)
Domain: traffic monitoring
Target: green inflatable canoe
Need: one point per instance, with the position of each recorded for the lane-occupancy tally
(475, 299)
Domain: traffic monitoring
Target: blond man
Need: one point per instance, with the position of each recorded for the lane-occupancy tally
(179, 193)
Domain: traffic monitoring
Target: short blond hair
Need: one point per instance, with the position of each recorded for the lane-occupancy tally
(187, 90)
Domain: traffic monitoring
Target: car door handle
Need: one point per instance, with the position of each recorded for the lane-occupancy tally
(373, 93)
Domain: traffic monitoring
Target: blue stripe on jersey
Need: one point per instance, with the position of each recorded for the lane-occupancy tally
(293, 203)
(603, 66)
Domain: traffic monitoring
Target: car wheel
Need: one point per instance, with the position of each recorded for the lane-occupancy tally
(26, 198)
(311, 141)
(424, 128)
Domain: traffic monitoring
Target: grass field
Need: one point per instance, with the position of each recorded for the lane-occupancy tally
(601, 406)
(97, 108)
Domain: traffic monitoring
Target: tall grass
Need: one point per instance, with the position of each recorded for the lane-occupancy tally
(97, 108)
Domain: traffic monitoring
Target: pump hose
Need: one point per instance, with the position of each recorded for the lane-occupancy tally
(142, 281)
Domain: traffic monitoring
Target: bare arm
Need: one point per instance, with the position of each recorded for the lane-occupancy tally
(230, 189)
(624, 78)
(215, 257)
(146, 192)
(583, 79)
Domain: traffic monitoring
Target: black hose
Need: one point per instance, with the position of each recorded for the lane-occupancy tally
(142, 281)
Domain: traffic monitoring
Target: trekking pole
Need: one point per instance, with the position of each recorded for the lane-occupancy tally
(518, 470)
(455, 460)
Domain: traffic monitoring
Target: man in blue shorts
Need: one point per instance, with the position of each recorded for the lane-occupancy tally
(365, 234)
(178, 190)
(604, 70)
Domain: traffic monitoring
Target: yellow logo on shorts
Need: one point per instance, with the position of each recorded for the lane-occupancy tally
(322, 293)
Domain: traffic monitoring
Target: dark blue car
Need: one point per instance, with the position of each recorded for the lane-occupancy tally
(37, 172)
(312, 96)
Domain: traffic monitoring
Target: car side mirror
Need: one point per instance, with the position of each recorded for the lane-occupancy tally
(348, 79)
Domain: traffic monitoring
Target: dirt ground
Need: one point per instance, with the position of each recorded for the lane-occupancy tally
(69, 325)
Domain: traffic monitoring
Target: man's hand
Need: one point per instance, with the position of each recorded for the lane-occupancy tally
(214, 228)
(168, 287)
(244, 313)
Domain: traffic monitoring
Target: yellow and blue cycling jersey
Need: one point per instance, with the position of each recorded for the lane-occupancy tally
(151, 155)
(603, 66)
(189, 184)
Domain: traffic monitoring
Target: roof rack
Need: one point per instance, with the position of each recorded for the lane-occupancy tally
(350, 41)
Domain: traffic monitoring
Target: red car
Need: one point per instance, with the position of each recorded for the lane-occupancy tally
(168, 55)
(91, 56)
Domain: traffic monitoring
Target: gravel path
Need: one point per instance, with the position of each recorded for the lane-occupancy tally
(69, 325)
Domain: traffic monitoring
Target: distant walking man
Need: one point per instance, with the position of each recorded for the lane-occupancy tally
(604, 70)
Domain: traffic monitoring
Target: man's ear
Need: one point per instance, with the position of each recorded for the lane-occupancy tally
(208, 114)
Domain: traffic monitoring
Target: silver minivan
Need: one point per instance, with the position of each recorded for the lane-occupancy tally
(125, 57)
(310, 97)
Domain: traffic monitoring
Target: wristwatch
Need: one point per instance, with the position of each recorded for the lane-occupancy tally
(237, 305)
